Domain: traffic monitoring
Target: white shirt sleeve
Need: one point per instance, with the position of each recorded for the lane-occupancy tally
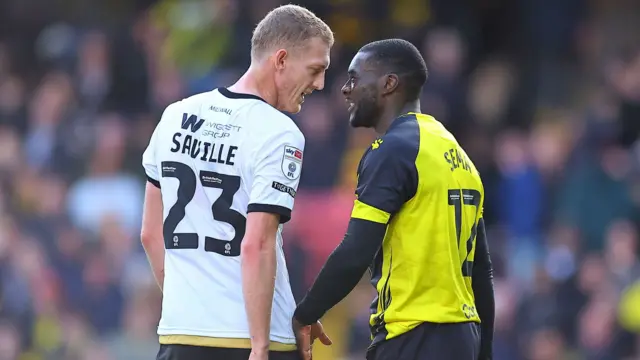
(276, 174)
(149, 160)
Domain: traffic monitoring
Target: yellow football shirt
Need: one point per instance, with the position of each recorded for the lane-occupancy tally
(418, 179)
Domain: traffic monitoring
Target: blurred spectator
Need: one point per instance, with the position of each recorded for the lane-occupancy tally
(324, 144)
(521, 202)
(445, 92)
(106, 190)
(93, 78)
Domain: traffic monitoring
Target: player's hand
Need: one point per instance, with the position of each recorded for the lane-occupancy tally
(259, 355)
(306, 335)
(317, 332)
(303, 338)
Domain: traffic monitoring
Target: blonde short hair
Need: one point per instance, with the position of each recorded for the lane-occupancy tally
(288, 26)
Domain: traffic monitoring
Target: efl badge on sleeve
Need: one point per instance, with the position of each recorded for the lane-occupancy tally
(291, 162)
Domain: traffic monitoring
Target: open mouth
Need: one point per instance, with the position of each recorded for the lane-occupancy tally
(302, 95)
(350, 105)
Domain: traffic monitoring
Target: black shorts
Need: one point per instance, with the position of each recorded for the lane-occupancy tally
(189, 352)
(431, 341)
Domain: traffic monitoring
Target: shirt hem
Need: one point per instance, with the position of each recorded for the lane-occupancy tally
(222, 334)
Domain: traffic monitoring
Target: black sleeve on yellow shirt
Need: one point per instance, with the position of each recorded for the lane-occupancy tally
(482, 284)
(343, 270)
(388, 177)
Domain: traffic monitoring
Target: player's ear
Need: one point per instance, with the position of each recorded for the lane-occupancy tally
(391, 82)
(280, 59)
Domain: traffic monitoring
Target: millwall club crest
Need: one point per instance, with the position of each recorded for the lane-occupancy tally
(291, 162)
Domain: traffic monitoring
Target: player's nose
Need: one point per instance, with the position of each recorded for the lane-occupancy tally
(346, 90)
(319, 83)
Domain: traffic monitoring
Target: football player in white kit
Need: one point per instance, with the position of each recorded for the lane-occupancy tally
(223, 170)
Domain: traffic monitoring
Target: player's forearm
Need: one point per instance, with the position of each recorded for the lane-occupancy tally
(485, 304)
(258, 281)
(482, 284)
(154, 248)
(343, 270)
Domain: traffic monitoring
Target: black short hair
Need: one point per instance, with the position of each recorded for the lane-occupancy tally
(403, 58)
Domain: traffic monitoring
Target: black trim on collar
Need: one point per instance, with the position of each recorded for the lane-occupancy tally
(234, 95)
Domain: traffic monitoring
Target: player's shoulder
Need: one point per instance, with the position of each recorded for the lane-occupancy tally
(272, 123)
(255, 108)
(273, 117)
(211, 99)
(435, 131)
(196, 100)
(401, 139)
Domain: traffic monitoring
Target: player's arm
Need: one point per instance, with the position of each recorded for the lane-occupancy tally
(151, 232)
(258, 275)
(343, 270)
(275, 182)
(482, 284)
(387, 180)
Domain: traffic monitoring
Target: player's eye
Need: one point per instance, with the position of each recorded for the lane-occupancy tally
(351, 82)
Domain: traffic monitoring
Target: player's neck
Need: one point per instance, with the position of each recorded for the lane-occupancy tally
(256, 82)
(393, 112)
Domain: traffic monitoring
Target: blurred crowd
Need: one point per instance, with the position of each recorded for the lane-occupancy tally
(543, 94)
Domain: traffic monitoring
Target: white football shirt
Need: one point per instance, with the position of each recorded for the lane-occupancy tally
(217, 156)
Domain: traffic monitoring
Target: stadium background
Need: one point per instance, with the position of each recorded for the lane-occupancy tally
(543, 94)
